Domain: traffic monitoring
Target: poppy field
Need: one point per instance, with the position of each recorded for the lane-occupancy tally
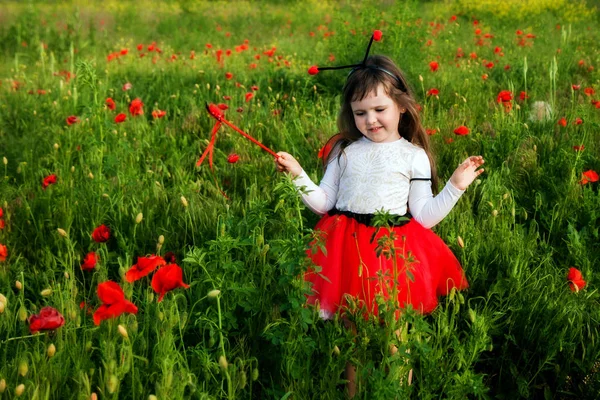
(149, 250)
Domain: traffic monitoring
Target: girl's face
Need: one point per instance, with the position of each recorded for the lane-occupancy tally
(377, 116)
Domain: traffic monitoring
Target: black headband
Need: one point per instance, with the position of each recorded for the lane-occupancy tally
(376, 36)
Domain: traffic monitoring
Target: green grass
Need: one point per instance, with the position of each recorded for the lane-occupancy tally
(517, 332)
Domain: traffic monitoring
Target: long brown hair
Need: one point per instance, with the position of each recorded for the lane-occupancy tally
(359, 85)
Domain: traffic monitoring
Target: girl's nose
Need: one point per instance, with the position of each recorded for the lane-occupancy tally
(371, 118)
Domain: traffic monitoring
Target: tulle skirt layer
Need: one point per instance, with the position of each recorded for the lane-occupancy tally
(358, 262)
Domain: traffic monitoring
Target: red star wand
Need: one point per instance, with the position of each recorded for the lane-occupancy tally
(216, 113)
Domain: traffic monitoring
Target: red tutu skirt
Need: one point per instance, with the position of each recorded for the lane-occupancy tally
(425, 267)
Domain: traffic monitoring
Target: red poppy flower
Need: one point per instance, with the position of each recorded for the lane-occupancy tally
(158, 114)
(504, 96)
(135, 107)
(579, 147)
(49, 180)
(575, 279)
(101, 234)
(448, 140)
(254, 88)
(226, 98)
(127, 86)
(140, 47)
(223, 106)
(519, 32)
(578, 121)
(473, 55)
(433, 92)
(144, 266)
(228, 75)
(233, 158)
(434, 66)
(110, 103)
(166, 279)
(249, 96)
(120, 118)
(114, 303)
(589, 91)
(47, 320)
(596, 103)
(497, 50)
(489, 65)
(430, 131)
(588, 176)
(453, 18)
(1, 212)
(478, 31)
(72, 119)
(562, 122)
(89, 262)
(377, 34)
(462, 130)
(576, 87)
(3, 252)
(523, 96)
(170, 257)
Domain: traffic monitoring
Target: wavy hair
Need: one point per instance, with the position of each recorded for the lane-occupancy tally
(380, 70)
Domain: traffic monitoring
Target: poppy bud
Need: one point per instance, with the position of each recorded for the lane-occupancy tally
(223, 362)
(19, 390)
(139, 218)
(3, 299)
(2, 306)
(377, 35)
(255, 374)
(18, 285)
(46, 292)
(91, 176)
(472, 315)
(56, 146)
(94, 396)
(62, 232)
(123, 331)
(421, 78)
(313, 70)
(5, 160)
(152, 397)
(243, 379)
(72, 168)
(2, 385)
(161, 239)
(66, 275)
(214, 293)
(495, 213)
(460, 241)
(22, 314)
(51, 351)
(112, 384)
(184, 201)
(336, 350)
(23, 368)
(393, 349)
(452, 294)
(505, 196)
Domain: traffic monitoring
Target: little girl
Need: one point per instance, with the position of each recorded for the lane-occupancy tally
(380, 161)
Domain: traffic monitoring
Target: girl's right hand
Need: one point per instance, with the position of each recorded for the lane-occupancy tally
(287, 163)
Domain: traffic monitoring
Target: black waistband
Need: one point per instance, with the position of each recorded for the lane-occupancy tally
(368, 219)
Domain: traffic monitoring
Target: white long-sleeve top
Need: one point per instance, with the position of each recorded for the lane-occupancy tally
(370, 177)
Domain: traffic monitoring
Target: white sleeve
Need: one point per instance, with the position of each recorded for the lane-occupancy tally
(322, 198)
(425, 208)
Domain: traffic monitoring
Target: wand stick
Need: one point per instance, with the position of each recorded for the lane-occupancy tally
(216, 113)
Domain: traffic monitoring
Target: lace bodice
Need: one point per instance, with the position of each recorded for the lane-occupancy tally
(370, 177)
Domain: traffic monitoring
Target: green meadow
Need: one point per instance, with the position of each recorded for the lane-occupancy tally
(522, 77)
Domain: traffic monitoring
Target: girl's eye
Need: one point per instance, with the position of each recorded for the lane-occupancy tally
(380, 110)
(358, 114)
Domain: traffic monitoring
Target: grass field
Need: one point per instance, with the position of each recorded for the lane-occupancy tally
(523, 77)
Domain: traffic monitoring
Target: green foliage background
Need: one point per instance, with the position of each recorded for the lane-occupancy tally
(518, 332)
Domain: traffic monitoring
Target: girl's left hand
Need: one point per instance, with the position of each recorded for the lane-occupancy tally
(466, 172)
